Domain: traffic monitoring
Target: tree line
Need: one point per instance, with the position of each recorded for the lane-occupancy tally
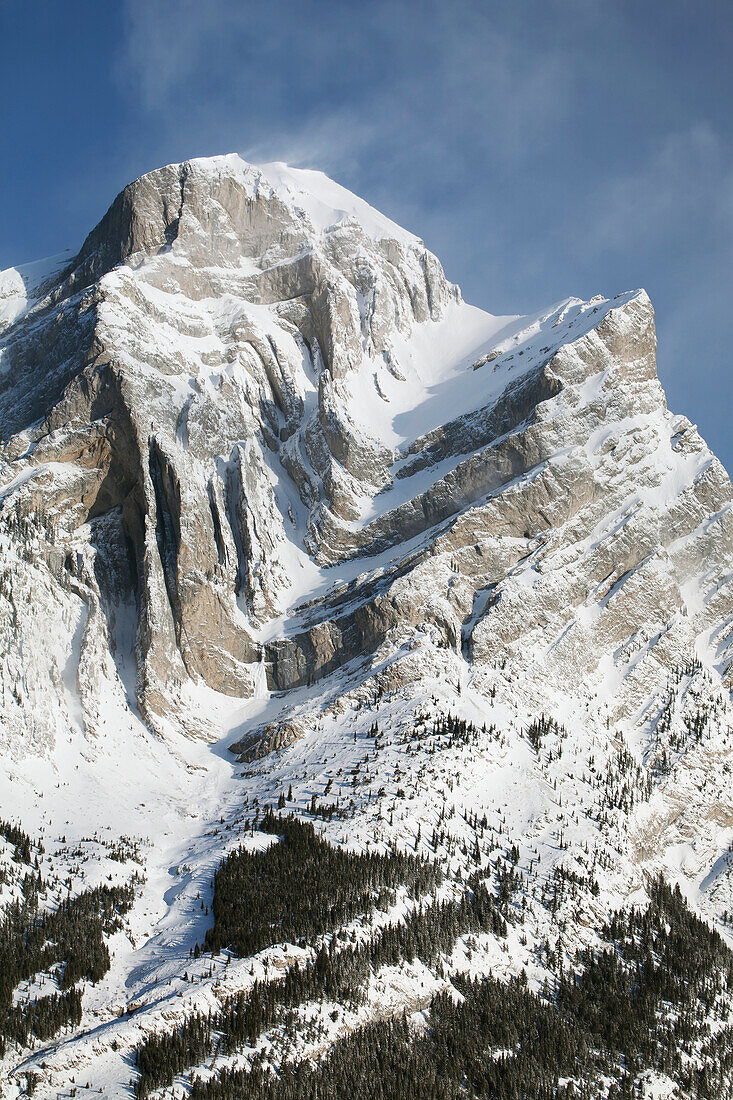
(338, 973)
(646, 1000)
(68, 941)
(20, 840)
(302, 886)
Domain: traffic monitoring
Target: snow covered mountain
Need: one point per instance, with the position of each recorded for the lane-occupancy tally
(285, 522)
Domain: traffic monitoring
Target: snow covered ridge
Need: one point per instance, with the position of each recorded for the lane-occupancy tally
(327, 204)
(274, 503)
(21, 286)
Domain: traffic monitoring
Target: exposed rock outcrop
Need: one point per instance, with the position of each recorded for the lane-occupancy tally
(247, 375)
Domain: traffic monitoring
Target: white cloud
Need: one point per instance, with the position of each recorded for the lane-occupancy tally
(326, 81)
(166, 41)
(684, 182)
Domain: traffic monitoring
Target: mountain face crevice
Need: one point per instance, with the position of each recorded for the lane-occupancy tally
(167, 493)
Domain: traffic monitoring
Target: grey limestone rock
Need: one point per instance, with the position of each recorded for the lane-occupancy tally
(204, 390)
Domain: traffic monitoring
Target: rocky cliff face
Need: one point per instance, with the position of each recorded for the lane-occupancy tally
(265, 480)
(196, 351)
(247, 373)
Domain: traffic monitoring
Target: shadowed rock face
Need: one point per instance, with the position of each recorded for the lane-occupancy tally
(239, 379)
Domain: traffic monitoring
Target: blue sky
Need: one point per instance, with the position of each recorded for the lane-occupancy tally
(540, 149)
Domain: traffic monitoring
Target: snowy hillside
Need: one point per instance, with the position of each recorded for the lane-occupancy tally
(287, 526)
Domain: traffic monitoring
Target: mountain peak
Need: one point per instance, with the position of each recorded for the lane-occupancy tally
(327, 204)
(225, 208)
(280, 512)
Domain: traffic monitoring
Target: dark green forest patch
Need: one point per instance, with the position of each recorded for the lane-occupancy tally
(301, 887)
(646, 1000)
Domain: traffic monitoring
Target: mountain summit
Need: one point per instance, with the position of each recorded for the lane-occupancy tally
(280, 512)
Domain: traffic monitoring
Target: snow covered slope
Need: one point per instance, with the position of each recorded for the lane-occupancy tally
(267, 481)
